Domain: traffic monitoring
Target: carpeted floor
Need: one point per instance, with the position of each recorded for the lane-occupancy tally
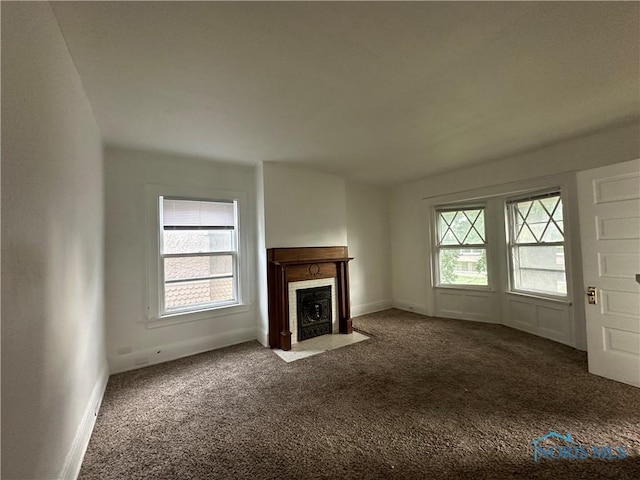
(424, 398)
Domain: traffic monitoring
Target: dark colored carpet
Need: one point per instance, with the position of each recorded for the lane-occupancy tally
(424, 398)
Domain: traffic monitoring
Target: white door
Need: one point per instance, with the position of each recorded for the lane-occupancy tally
(610, 230)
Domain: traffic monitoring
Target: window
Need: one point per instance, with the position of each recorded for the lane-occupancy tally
(536, 242)
(198, 254)
(461, 247)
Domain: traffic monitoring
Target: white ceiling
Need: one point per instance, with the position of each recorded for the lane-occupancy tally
(381, 92)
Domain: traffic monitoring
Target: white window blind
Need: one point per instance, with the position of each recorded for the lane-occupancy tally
(198, 214)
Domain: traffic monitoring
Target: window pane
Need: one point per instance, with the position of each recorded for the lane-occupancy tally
(525, 235)
(537, 214)
(551, 205)
(557, 215)
(479, 225)
(462, 227)
(197, 241)
(449, 239)
(540, 269)
(553, 234)
(520, 212)
(463, 266)
(533, 220)
(192, 294)
(446, 236)
(473, 237)
(197, 267)
(537, 228)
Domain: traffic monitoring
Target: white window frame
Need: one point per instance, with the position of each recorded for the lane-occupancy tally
(437, 247)
(155, 315)
(511, 244)
(233, 253)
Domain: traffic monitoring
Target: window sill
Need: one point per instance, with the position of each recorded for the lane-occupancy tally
(185, 317)
(533, 296)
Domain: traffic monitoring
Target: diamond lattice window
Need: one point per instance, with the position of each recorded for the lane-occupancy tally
(462, 253)
(536, 237)
(539, 221)
(461, 227)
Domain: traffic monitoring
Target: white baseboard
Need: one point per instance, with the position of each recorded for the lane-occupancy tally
(73, 462)
(173, 351)
(410, 307)
(357, 310)
(262, 336)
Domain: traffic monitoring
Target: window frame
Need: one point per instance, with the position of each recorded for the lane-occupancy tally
(162, 256)
(511, 245)
(437, 209)
(156, 315)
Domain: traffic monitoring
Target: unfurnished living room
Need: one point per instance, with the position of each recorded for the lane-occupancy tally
(300, 240)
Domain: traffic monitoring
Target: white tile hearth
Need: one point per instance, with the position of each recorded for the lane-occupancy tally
(317, 345)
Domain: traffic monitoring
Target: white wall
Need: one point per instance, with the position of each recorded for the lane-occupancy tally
(303, 208)
(369, 243)
(262, 293)
(412, 285)
(130, 340)
(53, 357)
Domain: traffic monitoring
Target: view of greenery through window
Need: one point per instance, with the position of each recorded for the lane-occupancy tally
(454, 267)
(462, 254)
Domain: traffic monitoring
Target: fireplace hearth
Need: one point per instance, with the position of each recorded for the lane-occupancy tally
(314, 312)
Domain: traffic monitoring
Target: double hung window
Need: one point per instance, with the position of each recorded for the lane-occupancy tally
(536, 243)
(198, 254)
(461, 246)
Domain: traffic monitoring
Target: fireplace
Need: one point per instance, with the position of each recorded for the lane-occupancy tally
(308, 293)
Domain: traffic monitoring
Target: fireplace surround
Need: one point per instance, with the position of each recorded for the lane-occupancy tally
(286, 265)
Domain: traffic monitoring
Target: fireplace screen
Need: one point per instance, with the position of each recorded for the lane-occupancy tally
(314, 312)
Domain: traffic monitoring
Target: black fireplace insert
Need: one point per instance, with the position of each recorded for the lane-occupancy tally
(314, 312)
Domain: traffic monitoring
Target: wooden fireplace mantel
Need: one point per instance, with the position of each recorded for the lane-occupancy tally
(297, 264)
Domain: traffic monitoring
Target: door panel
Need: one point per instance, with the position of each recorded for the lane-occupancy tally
(610, 230)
